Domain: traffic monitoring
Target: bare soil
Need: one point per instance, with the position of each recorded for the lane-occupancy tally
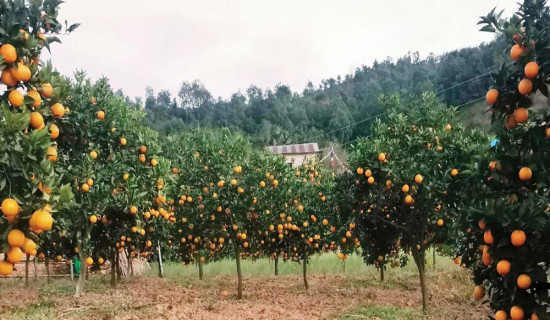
(265, 297)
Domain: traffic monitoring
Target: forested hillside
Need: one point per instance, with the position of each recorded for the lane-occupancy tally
(281, 116)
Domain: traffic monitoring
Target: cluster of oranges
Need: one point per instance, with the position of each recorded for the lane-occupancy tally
(522, 52)
(27, 94)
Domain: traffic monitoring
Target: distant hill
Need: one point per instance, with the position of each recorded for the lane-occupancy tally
(319, 113)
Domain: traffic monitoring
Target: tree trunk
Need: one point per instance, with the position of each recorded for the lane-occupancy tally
(200, 269)
(276, 264)
(433, 258)
(118, 270)
(72, 271)
(47, 263)
(113, 269)
(34, 262)
(418, 256)
(161, 269)
(27, 270)
(82, 276)
(239, 274)
(131, 265)
(305, 271)
(382, 273)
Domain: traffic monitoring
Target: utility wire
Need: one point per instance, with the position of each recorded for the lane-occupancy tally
(381, 114)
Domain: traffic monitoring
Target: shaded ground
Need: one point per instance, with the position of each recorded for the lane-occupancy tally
(334, 296)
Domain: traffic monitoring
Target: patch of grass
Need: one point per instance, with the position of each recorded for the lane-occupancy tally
(379, 312)
(41, 310)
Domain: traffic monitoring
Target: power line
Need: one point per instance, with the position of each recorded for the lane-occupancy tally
(463, 82)
(344, 127)
(469, 102)
(381, 114)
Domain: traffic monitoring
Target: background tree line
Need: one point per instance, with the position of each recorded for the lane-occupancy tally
(281, 116)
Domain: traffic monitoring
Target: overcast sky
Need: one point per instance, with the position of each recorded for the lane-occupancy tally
(231, 44)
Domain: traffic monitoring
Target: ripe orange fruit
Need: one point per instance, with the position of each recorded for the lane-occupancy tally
(488, 237)
(8, 52)
(15, 97)
(51, 154)
(486, 257)
(409, 200)
(22, 73)
(405, 188)
(41, 220)
(479, 292)
(85, 188)
(454, 172)
(46, 90)
(521, 115)
(175, 170)
(7, 78)
(143, 149)
(29, 246)
(36, 97)
(418, 179)
(534, 316)
(6, 268)
(10, 207)
(123, 141)
(491, 96)
(503, 267)
(100, 261)
(142, 158)
(15, 254)
(517, 51)
(518, 238)
(525, 174)
(154, 162)
(275, 183)
(531, 69)
(370, 180)
(90, 182)
(516, 313)
(93, 219)
(133, 209)
(54, 131)
(368, 173)
(93, 154)
(37, 121)
(89, 261)
(448, 127)
(501, 315)
(16, 238)
(525, 86)
(360, 171)
(524, 281)
(381, 156)
(440, 222)
(510, 122)
(101, 115)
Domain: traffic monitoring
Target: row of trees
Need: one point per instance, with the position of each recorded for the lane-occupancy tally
(85, 177)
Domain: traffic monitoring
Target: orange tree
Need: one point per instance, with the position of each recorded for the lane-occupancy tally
(510, 218)
(306, 229)
(272, 204)
(28, 185)
(379, 242)
(405, 169)
(101, 142)
(215, 195)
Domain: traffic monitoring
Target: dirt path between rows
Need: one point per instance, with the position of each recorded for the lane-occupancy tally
(283, 297)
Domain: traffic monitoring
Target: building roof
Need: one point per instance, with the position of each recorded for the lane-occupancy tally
(295, 148)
